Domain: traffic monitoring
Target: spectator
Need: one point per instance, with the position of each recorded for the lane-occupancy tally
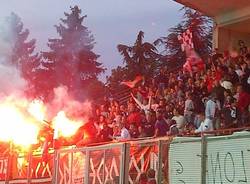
(173, 130)
(134, 117)
(180, 122)
(143, 178)
(189, 108)
(168, 114)
(231, 114)
(211, 107)
(161, 126)
(109, 182)
(145, 106)
(149, 125)
(243, 48)
(151, 176)
(106, 133)
(218, 90)
(104, 111)
(198, 119)
(238, 71)
(206, 125)
(116, 180)
(133, 131)
(243, 99)
(124, 133)
(233, 77)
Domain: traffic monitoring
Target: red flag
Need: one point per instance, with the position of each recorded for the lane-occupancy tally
(132, 84)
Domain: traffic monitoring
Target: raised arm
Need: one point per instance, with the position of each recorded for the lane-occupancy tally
(137, 101)
(150, 101)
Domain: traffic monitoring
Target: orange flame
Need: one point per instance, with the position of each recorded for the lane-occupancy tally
(16, 126)
(64, 126)
(37, 110)
(20, 122)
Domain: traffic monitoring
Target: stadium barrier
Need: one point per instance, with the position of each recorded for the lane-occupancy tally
(122, 162)
(26, 168)
(206, 159)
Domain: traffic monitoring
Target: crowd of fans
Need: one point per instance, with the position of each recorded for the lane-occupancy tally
(181, 103)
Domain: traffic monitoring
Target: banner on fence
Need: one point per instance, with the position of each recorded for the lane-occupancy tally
(3, 167)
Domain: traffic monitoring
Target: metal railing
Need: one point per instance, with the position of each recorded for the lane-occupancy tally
(122, 162)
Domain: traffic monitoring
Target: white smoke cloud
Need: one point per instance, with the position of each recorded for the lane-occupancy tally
(11, 81)
(64, 102)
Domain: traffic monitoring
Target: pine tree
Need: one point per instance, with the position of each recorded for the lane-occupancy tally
(117, 76)
(71, 59)
(140, 58)
(22, 51)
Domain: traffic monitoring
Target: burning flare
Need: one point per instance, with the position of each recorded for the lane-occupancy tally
(64, 126)
(16, 126)
(21, 121)
(37, 110)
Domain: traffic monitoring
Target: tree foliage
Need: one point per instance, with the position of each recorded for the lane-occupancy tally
(140, 58)
(118, 75)
(71, 60)
(22, 54)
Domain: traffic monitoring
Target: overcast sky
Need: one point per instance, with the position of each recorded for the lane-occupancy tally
(111, 21)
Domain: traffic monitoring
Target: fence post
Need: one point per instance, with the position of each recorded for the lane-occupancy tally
(160, 149)
(71, 166)
(55, 167)
(104, 164)
(124, 166)
(9, 173)
(87, 161)
(29, 171)
(203, 159)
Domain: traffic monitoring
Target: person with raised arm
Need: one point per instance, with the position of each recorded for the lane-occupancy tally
(143, 106)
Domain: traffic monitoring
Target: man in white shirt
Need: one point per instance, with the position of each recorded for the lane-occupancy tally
(125, 135)
(211, 107)
(180, 121)
(189, 108)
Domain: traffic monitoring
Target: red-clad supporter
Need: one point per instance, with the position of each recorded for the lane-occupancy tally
(86, 134)
(243, 99)
(134, 116)
(209, 81)
(133, 131)
(143, 178)
(106, 134)
(151, 176)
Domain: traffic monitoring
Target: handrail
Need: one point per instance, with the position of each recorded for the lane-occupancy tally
(215, 132)
(184, 134)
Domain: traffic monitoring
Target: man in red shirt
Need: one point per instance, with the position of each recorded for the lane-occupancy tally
(243, 99)
(86, 134)
(134, 117)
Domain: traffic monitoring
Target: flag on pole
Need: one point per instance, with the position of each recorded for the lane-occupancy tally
(131, 84)
(186, 40)
(193, 60)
